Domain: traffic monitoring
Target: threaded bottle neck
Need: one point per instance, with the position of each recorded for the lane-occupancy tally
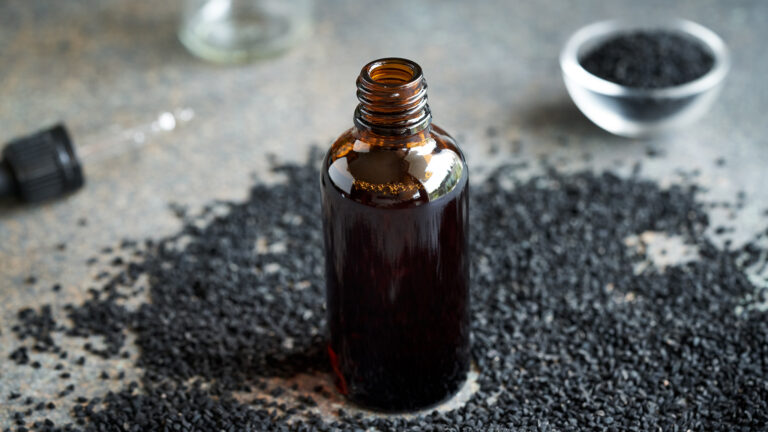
(393, 98)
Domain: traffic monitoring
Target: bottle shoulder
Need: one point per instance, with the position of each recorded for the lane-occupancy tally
(411, 173)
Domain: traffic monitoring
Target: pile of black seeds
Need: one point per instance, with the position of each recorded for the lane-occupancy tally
(566, 336)
(649, 59)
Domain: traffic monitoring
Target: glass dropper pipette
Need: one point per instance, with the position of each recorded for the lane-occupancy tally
(46, 165)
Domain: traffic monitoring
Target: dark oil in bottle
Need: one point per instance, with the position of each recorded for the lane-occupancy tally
(397, 299)
(395, 219)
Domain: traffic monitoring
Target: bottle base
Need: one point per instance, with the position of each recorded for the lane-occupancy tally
(407, 404)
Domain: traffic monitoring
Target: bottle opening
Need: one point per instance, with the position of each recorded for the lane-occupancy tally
(392, 71)
(393, 98)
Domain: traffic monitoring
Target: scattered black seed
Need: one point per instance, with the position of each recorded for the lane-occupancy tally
(56, 287)
(307, 400)
(35, 364)
(36, 325)
(179, 210)
(104, 375)
(653, 152)
(720, 230)
(649, 59)
(127, 244)
(14, 395)
(61, 246)
(20, 356)
(65, 375)
(555, 347)
(31, 280)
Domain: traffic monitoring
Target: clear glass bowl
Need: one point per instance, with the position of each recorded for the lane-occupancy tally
(231, 31)
(636, 112)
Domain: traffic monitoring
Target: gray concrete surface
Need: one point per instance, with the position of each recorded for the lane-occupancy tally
(105, 65)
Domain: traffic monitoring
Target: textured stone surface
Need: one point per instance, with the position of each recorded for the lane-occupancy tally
(111, 64)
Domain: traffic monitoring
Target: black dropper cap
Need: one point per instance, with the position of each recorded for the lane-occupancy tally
(40, 166)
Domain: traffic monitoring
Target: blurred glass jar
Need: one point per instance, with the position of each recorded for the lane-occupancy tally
(230, 31)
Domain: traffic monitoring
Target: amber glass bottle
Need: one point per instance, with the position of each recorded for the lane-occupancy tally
(395, 217)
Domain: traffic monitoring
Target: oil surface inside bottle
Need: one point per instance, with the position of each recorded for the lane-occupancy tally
(397, 276)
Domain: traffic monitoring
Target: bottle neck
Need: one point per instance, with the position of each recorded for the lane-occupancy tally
(393, 100)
